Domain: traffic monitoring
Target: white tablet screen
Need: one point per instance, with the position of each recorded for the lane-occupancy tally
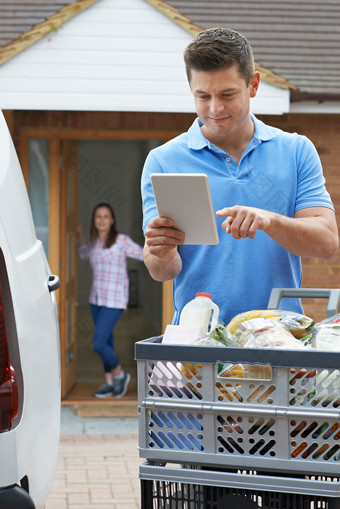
(186, 198)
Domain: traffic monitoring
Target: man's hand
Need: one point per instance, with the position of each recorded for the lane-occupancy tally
(160, 250)
(311, 232)
(161, 238)
(244, 222)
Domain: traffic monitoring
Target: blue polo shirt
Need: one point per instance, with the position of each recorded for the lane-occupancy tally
(278, 171)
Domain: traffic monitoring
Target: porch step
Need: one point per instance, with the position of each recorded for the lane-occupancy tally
(88, 406)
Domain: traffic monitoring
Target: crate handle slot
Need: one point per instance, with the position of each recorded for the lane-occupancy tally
(332, 294)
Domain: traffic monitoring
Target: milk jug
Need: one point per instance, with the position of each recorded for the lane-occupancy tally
(200, 312)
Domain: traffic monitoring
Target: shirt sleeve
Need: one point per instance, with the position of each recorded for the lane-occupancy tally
(84, 251)
(132, 249)
(311, 189)
(151, 165)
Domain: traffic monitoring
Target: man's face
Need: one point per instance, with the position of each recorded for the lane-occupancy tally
(222, 99)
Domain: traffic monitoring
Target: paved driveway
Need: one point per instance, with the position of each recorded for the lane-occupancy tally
(98, 464)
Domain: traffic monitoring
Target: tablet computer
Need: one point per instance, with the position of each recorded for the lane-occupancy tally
(186, 198)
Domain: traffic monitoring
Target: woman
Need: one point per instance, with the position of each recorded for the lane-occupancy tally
(107, 253)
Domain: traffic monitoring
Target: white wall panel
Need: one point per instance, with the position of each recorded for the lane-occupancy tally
(270, 100)
(118, 55)
(90, 59)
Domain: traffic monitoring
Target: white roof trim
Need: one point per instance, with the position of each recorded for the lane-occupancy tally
(326, 107)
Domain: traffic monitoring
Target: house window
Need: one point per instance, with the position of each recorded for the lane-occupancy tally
(38, 186)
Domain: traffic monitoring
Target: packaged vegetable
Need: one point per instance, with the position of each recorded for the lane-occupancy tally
(221, 334)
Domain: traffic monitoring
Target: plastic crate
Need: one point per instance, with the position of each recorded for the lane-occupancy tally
(185, 488)
(289, 421)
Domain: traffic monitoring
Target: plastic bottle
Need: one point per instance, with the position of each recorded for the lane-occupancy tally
(200, 312)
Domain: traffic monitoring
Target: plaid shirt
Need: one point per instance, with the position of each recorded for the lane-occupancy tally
(110, 284)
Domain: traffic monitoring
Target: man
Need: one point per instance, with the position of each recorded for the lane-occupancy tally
(267, 187)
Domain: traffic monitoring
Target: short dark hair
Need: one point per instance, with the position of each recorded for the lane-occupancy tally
(219, 48)
(111, 238)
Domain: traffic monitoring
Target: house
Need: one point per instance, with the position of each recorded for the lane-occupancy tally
(88, 87)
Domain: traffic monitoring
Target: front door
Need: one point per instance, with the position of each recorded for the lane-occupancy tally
(68, 175)
(50, 168)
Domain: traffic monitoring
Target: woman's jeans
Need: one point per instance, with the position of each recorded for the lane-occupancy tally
(105, 319)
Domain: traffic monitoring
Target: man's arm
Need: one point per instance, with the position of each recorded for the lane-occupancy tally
(311, 232)
(161, 256)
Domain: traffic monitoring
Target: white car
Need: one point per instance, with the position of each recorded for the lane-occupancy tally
(29, 347)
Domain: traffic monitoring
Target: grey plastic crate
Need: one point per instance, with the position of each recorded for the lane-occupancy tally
(164, 487)
(188, 413)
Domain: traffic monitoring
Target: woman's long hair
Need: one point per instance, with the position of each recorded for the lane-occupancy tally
(111, 238)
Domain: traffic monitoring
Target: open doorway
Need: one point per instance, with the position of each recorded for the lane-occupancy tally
(67, 174)
(110, 171)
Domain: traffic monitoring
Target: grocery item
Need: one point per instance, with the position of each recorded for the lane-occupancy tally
(327, 334)
(258, 371)
(248, 315)
(260, 332)
(220, 333)
(231, 370)
(328, 337)
(200, 312)
(260, 329)
(207, 341)
(182, 335)
(299, 325)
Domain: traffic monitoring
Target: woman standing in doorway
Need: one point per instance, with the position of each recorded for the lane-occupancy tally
(107, 253)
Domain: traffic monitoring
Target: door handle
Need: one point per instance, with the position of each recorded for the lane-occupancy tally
(53, 283)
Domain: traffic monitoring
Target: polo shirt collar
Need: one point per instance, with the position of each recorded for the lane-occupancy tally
(197, 141)
(263, 132)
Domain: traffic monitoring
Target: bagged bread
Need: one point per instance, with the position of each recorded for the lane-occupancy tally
(264, 333)
(249, 315)
(299, 325)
